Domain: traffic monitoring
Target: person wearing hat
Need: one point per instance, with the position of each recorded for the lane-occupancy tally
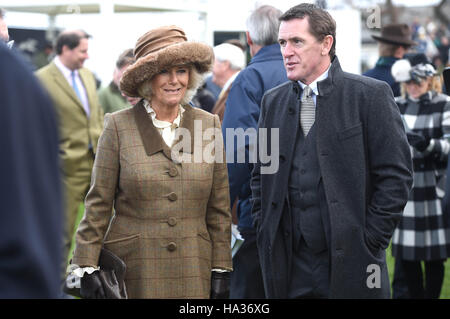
(393, 42)
(172, 222)
(423, 234)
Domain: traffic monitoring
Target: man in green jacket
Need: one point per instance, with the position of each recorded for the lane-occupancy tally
(73, 91)
(111, 99)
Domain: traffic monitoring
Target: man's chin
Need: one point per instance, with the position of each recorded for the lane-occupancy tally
(292, 77)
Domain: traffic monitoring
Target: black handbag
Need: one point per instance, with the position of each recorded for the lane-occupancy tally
(111, 274)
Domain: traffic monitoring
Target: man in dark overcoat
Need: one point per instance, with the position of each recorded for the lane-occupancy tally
(326, 216)
(30, 192)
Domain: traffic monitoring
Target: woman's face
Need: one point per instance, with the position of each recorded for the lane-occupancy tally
(416, 90)
(169, 86)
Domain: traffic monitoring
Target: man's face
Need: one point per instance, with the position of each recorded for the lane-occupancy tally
(219, 71)
(75, 58)
(303, 54)
(117, 75)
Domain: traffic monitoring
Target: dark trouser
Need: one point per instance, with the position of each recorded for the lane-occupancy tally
(434, 277)
(399, 284)
(246, 278)
(310, 273)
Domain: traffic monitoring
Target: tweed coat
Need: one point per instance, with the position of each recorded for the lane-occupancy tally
(172, 221)
(423, 233)
(365, 164)
(77, 131)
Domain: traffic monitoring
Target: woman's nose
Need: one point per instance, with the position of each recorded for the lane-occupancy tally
(173, 76)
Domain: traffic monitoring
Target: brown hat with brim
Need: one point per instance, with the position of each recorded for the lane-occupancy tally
(162, 48)
(396, 33)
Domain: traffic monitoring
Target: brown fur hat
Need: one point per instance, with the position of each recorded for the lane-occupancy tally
(162, 48)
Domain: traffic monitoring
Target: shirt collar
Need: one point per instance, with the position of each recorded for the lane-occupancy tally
(163, 124)
(313, 85)
(64, 69)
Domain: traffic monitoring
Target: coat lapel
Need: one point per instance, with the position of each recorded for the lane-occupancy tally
(61, 81)
(291, 121)
(90, 92)
(152, 139)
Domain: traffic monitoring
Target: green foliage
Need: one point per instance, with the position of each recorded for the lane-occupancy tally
(445, 293)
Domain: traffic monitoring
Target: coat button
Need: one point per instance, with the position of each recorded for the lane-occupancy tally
(172, 197)
(291, 110)
(173, 172)
(274, 204)
(172, 221)
(282, 158)
(171, 246)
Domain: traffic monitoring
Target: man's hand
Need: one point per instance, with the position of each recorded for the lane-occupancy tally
(418, 141)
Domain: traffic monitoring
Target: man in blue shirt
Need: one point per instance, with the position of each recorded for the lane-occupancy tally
(264, 72)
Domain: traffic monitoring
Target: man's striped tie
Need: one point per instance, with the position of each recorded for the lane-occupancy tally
(308, 110)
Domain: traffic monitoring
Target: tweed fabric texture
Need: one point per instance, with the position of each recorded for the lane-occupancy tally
(423, 233)
(172, 221)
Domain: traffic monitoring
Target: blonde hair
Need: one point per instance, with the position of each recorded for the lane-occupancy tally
(434, 85)
(195, 81)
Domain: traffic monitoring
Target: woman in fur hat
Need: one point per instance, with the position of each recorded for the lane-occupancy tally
(423, 233)
(172, 219)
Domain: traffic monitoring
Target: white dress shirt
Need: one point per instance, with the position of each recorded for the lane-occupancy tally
(313, 85)
(67, 73)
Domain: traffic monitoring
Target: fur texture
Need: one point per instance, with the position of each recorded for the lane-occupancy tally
(199, 55)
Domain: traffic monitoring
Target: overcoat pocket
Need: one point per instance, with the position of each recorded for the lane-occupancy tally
(350, 132)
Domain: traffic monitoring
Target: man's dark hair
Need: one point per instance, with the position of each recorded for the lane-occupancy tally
(125, 58)
(69, 38)
(321, 23)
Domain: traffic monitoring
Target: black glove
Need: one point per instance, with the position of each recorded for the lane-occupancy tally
(418, 141)
(220, 285)
(91, 286)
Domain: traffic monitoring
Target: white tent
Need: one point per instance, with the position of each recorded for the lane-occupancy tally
(115, 25)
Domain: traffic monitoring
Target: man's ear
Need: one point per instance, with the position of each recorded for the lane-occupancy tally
(249, 39)
(327, 43)
(65, 49)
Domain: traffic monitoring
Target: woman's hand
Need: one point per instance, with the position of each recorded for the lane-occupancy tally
(220, 285)
(91, 286)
